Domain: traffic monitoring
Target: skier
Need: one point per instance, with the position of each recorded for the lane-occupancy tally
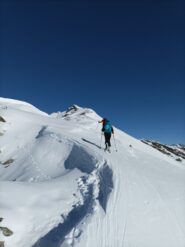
(107, 129)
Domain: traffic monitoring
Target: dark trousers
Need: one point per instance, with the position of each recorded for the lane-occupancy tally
(107, 138)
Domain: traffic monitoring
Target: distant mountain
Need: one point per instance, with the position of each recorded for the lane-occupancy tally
(176, 151)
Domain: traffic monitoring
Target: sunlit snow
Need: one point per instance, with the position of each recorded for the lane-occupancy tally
(59, 188)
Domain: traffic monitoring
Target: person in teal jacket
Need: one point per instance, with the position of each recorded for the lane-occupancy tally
(108, 130)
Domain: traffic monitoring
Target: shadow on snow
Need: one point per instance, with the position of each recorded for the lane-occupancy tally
(85, 140)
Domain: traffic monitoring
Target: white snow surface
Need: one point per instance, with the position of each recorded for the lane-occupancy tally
(59, 189)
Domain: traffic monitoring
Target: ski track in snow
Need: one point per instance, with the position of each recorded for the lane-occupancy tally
(170, 214)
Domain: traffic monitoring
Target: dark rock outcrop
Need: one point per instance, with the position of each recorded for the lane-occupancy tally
(2, 119)
(178, 150)
(2, 244)
(6, 232)
(8, 162)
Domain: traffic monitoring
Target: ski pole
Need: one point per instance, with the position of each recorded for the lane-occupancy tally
(101, 141)
(115, 143)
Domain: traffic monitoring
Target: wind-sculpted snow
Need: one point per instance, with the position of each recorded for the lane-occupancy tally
(95, 186)
(81, 159)
(49, 156)
(57, 236)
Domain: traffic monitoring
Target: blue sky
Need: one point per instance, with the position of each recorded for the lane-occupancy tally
(124, 59)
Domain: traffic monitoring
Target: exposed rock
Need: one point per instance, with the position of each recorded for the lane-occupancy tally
(2, 244)
(168, 150)
(8, 162)
(72, 109)
(6, 232)
(1, 219)
(2, 119)
(178, 159)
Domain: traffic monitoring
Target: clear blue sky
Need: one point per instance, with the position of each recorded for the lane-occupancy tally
(124, 59)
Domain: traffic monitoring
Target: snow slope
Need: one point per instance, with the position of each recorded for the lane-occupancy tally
(58, 188)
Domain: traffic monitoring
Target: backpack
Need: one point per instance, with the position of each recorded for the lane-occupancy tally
(107, 127)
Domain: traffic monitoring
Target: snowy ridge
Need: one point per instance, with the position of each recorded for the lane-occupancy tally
(21, 105)
(89, 184)
(59, 188)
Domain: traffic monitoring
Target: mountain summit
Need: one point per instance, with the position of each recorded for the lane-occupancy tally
(58, 187)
